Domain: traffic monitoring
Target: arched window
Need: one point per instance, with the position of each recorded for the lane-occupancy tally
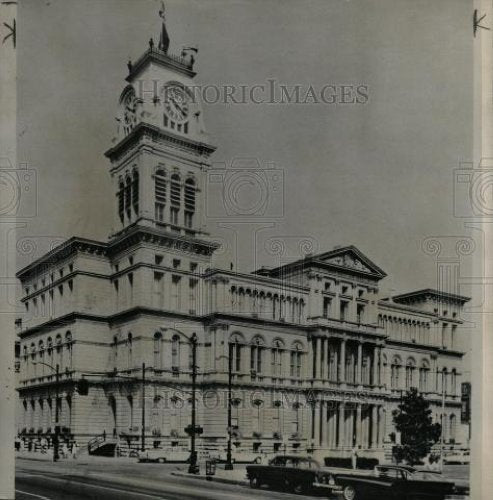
(68, 344)
(121, 200)
(129, 351)
(128, 196)
(423, 376)
(276, 353)
(395, 373)
(256, 350)
(385, 368)
(160, 194)
(296, 361)
(41, 356)
(158, 362)
(444, 381)
(410, 367)
(235, 351)
(49, 351)
(135, 192)
(59, 352)
(175, 199)
(190, 192)
(175, 352)
(453, 382)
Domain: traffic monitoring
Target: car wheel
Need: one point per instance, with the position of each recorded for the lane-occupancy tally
(254, 482)
(299, 488)
(161, 460)
(349, 492)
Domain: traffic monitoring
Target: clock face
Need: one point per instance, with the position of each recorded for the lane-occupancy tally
(176, 103)
(129, 113)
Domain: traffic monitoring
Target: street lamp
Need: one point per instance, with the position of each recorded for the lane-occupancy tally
(229, 458)
(56, 369)
(193, 468)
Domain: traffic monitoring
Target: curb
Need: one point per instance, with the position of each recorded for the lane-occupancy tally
(240, 482)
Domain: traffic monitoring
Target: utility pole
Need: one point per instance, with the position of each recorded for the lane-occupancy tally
(56, 442)
(143, 437)
(229, 461)
(193, 468)
(442, 421)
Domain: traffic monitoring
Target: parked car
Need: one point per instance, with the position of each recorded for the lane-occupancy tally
(460, 457)
(295, 473)
(239, 457)
(393, 482)
(162, 455)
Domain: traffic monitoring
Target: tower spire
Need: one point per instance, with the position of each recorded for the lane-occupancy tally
(163, 38)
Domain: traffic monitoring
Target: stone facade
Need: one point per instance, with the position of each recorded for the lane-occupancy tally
(319, 359)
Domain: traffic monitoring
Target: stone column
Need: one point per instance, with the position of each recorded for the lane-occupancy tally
(359, 366)
(325, 375)
(316, 433)
(341, 425)
(381, 427)
(318, 358)
(323, 423)
(358, 425)
(342, 361)
(310, 361)
(375, 366)
(374, 426)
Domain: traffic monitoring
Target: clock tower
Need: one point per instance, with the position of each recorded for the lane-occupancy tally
(161, 149)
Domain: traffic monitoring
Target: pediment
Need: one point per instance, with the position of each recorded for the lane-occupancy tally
(352, 259)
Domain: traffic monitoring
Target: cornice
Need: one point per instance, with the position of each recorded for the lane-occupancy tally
(147, 131)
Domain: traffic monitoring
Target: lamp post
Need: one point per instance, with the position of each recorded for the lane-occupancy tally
(229, 461)
(193, 468)
(56, 369)
(143, 435)
(229, 458)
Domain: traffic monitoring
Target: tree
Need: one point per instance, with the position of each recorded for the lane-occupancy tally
(418, 432)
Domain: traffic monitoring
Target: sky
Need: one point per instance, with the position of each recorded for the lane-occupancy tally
(378, 175)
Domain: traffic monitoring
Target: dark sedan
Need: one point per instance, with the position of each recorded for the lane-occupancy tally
(290, 472)
(394, 482)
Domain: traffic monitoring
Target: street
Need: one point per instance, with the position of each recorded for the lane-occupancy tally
(110, 479)
(125, 479)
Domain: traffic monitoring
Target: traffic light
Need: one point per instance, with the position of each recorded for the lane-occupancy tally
(83, 387)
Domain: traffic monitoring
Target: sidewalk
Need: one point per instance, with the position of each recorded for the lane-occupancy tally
(81, 457)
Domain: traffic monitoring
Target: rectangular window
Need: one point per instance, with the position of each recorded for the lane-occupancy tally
(193, 296)
(193, 267)
(360, 312)
(158, 289)
(176, 263)
(327, 306)
(343, 310)
(158, 260)
(176, 293)
(188, 219)
(174, 216)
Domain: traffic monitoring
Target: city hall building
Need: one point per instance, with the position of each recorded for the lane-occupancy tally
(317, 358)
